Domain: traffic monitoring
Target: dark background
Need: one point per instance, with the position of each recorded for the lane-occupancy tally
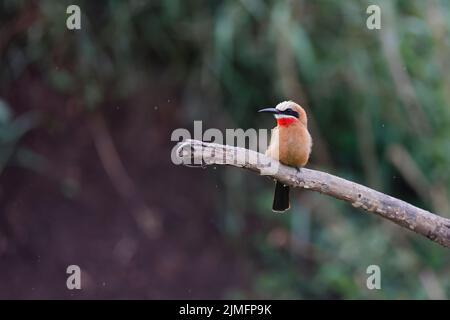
(86, 176)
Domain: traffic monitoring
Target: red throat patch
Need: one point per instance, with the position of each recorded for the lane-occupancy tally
(285, 121)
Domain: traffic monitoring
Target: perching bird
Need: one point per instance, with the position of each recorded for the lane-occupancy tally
(290, 144)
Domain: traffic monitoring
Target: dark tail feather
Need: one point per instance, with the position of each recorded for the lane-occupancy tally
(281, 198)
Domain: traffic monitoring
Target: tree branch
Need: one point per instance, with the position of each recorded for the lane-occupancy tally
(423, 222)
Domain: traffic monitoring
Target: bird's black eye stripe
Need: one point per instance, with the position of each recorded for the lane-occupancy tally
(290, 112)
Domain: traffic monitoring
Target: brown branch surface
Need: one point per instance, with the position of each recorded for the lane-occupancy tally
(423, 222)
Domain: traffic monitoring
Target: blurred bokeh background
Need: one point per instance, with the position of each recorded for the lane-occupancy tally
(86, 176)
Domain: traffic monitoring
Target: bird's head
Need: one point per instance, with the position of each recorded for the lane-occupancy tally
(287, 112)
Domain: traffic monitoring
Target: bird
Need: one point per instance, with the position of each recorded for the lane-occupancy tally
(290, 143)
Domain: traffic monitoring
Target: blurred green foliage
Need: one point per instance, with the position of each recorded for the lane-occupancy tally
(379, 112)
(11, 131)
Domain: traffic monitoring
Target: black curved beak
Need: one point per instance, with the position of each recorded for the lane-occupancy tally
(270, 110)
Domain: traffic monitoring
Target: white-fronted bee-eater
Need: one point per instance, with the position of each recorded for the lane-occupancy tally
(290, 144)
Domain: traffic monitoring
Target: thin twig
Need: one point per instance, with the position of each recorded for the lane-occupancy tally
(145, 217)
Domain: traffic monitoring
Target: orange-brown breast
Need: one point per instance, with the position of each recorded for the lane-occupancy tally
(293, 143)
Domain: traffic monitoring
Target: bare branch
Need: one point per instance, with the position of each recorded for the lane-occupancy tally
(423, 222)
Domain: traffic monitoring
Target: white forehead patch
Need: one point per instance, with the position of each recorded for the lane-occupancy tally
(283, 105)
